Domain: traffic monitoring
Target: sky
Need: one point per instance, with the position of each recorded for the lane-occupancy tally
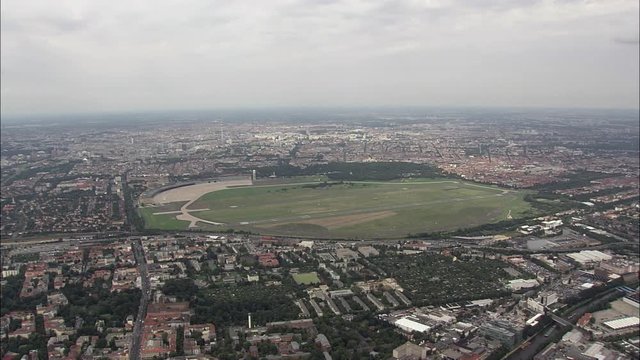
(108, 56)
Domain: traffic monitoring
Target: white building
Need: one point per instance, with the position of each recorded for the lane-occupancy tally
(520, 284)
(589, 257)
(623, 323)
(534, 305)
(409, 324)
(11, 272)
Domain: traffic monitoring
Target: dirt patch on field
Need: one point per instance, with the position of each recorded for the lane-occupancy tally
(297, 229)
(495, 214)
(335, 222)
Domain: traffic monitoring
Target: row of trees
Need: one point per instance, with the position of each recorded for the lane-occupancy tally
(355, 171)
(576, 179)
(485, 229)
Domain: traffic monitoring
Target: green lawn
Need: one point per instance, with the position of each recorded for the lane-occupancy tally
(161, 222)
(306, 278)
(357, 209)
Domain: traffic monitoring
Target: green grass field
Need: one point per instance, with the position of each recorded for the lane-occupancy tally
(306, 278)
(161, 222)
(356, 209)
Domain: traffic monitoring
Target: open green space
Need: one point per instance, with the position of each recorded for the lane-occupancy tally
(162, 221)
(306, 278)
(358, 209)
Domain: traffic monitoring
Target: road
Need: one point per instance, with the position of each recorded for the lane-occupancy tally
(539, 341)
(560, 320)
(136, 339)
(53, 245)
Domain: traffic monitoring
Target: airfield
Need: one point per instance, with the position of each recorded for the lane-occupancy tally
(359, 209)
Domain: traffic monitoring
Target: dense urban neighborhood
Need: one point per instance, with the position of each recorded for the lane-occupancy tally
(230, 296)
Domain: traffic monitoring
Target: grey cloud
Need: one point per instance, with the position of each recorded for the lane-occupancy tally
(627, 41)
(65, 25)
(110, 55)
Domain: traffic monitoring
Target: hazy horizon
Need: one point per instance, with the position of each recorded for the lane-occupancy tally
(77, 57)
(325, 114)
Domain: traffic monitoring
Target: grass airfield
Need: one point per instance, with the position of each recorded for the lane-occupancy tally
(359, 209)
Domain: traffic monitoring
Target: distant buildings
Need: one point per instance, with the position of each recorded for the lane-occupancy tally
(367, 251)
(589, 258)
(346, 254)
(410, 351)
(518, 285)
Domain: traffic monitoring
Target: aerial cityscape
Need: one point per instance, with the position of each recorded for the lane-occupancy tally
(464, 234)
(341, 179)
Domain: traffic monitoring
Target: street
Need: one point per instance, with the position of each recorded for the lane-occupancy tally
(138, 327)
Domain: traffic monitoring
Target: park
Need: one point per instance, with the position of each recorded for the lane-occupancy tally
(339, 209)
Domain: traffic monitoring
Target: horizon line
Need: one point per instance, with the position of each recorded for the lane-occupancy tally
(45, 115)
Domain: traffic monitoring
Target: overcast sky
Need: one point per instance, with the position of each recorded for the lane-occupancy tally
(77, 56)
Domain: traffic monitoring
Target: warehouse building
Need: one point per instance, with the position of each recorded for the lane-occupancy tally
(589, 257)
(623, 323)
(411, 324)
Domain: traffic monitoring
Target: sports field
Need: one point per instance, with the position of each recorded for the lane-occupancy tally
(353, 210)
(306, 278)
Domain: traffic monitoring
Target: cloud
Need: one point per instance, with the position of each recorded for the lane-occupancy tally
(108, 55)
(627, 41)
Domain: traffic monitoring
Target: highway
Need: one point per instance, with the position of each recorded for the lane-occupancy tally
(136, 339)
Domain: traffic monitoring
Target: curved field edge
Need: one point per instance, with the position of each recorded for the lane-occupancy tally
(359, 209)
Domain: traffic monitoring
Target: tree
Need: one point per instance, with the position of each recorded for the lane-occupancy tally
(267, 348)
(180, 341)
(183, 289)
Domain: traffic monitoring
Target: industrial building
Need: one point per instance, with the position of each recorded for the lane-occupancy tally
(410, 350)
(623, 323)
(502, 331)
(589, 257)
(522, 284)
(411, 324)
